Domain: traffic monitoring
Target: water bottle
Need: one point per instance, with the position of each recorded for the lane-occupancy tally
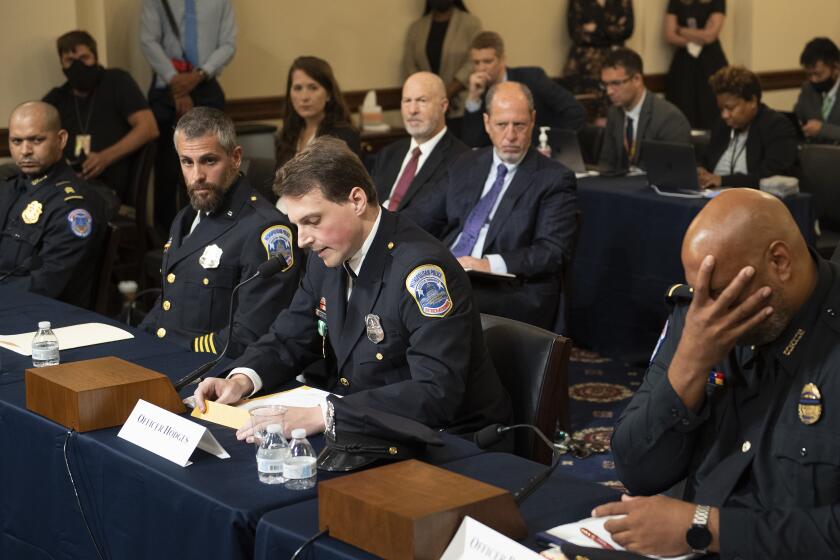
(44, 346)
(272, 453)
(300, 469)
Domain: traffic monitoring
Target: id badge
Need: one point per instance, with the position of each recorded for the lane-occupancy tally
(82, 145)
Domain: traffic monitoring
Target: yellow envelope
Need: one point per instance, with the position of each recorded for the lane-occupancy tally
(223, 414)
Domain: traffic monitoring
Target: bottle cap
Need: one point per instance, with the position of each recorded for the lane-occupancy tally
(274, 428)
(43, 324)
(299, 433)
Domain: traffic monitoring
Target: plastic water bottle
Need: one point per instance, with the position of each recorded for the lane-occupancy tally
(300, 469)
(44, 346)
(271, 455)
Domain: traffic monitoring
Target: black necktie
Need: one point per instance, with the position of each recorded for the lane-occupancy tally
(628, 141)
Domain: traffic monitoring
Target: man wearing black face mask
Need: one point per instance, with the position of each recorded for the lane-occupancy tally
(104, 112)
(817, 108)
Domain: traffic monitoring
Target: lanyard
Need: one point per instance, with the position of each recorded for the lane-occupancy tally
(736, 152)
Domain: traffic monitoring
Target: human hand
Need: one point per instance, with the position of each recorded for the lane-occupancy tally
(482, 265)
(478, 85)
(183, 104)
(184, 82)
(222, 390)
(708, 180)
(589, 27)
(309, 418)
(812, 128)
(651, 525)
(95, 163)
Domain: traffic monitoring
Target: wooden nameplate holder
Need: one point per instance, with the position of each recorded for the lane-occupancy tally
(94, 394)
(411, 509)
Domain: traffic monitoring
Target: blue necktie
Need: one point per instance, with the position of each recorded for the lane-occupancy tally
(190, 33)
(478, 216)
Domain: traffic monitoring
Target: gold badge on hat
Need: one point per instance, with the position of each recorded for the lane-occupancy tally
(32, 212)
(810, 404)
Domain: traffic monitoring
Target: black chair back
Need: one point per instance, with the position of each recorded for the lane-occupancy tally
(591, 137)
(820, 164)
(533, 366)
(564, 307)
(102, 290)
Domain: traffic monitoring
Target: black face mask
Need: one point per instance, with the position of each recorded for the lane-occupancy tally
(83, 77)
(440, 5)
(824, 86)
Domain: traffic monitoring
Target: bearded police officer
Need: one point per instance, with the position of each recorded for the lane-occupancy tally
(386, 304)
(741, 397)
(217, 242)
(47, 214)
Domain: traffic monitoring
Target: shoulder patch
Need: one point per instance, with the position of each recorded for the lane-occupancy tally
(278, 241)
(427, 285)
(81, 222)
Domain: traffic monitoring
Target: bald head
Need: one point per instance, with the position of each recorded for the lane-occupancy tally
(509, 120)
(746, 227)
(36, 138)
(424, 105)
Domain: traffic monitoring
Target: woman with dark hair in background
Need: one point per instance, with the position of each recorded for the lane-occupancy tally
(439, 42)
(314, 107)
(596, 27)
(693, 26)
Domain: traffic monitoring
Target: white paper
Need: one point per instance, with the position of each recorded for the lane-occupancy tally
(75, 336)
(570, 532)
(474, 540)
(168, 435)
(301, 396)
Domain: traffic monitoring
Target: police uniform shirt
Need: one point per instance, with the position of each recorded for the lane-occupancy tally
(408, 341)
(764, 445)
(56, 217)
(201, 266)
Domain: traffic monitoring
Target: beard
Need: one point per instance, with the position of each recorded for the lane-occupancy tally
(771, 328)
(206, 197)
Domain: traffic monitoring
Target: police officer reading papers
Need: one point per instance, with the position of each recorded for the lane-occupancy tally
(217, 242)
(47, 213)
(384, 303)
(741, 399)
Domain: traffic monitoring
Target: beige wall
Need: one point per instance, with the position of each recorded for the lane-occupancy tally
(363, 38)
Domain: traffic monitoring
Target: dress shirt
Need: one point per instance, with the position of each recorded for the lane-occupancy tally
(497, 263)
(635, 113)
(426, 148)
(734, 159)
(831, 96)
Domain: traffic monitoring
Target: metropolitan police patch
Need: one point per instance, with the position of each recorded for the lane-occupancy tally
(81, 222)
(427, 285)
(277, 241)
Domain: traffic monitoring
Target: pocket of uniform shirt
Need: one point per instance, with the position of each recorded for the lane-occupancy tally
(809, 458)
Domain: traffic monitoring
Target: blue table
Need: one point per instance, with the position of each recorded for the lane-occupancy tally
(562, 499)
(137, 504)
(628, 254)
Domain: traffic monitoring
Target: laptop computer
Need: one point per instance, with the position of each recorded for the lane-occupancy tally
(671, 168)
(565, 148)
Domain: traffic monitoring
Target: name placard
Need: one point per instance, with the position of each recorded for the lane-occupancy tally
(168, 435)
(476, 540)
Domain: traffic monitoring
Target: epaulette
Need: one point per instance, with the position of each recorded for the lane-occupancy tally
(69, 192)
(679, 293)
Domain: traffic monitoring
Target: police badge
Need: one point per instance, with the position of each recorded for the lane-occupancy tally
(32, 212)
(374, 328)
(810, 404)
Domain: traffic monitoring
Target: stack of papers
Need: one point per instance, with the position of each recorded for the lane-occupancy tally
(76, 336)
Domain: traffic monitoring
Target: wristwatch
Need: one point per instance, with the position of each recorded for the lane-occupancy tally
(698, 535)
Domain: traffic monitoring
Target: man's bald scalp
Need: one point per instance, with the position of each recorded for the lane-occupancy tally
(49, 114)
(432, 82)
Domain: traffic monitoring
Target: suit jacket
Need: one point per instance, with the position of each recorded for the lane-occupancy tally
(390, 158)
(809, 106)
(455, 63)
(59, 219)
(532, 230)
(555, 107)
(771, 149)
(430, 364)
(193, 307)
(658, 120)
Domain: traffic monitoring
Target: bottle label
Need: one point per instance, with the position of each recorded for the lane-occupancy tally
(43, 354)
(269, 465)
(299, 467)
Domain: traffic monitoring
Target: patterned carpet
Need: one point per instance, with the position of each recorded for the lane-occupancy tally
(599, 389)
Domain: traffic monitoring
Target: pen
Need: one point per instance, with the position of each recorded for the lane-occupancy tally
(590, 535)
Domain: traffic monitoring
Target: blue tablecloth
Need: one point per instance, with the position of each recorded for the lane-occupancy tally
(138, 505)
(562, 499)
(628, 254)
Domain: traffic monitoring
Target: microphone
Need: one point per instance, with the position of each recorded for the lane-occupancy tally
(267, 269)
(492, 434)
(29, 264)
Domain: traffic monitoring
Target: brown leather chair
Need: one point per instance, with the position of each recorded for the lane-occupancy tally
(532, 364)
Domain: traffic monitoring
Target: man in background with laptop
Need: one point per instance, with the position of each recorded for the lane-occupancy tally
(636, 114)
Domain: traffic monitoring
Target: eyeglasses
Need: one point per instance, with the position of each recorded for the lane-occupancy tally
(614, 83)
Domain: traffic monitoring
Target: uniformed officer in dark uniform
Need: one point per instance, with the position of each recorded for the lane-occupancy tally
(217, 242)
(385, 303)
(48, 213)
(741, 399)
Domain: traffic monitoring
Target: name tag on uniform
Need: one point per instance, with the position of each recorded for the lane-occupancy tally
(168, 435)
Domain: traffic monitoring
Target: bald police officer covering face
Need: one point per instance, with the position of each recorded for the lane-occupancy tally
(386, 304)
(218, 241)
(48, 212)
(740, 399)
